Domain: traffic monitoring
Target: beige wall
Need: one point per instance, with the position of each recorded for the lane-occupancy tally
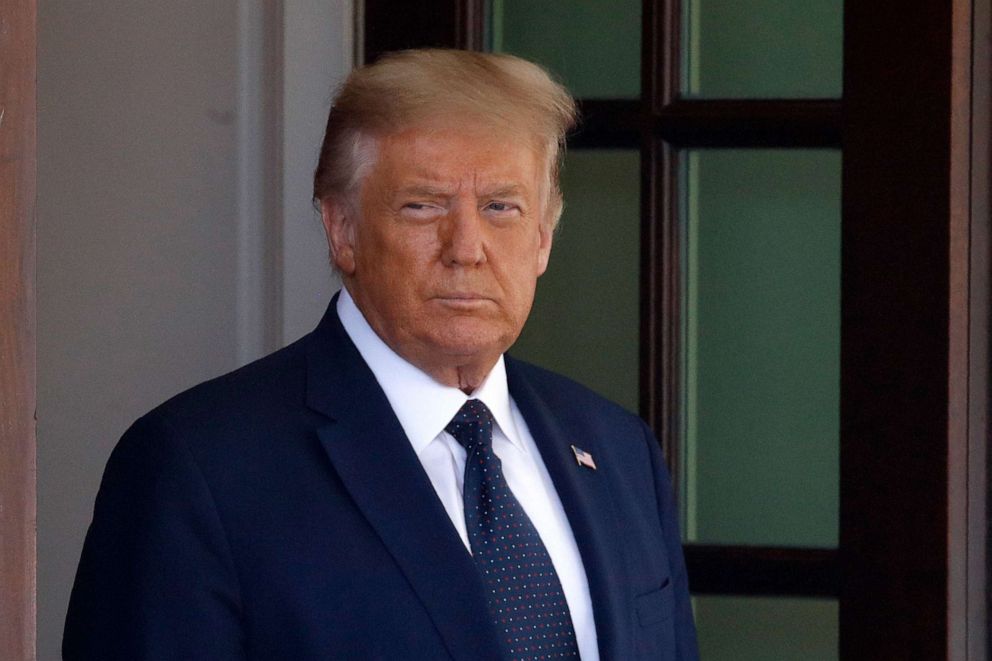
(159, 265)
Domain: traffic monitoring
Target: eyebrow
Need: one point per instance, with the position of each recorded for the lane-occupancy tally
(503, 190)
(427, 190)
(498, 189)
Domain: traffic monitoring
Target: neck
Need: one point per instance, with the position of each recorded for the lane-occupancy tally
(465, 372)
(466, 378)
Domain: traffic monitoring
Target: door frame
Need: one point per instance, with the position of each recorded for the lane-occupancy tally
(914, 329)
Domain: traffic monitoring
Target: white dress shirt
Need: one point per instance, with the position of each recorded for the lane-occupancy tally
(424, 408)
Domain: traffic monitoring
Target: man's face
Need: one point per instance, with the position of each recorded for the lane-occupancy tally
(451, 239)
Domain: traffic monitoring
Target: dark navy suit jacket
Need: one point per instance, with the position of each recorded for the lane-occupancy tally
(279, 512)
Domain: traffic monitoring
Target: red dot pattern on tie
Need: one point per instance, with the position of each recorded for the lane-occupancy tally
(525, 596)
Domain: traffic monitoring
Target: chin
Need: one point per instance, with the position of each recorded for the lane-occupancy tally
(471, 342)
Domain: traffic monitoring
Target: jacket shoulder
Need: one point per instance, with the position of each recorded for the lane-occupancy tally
(562, 393)
(250, 394)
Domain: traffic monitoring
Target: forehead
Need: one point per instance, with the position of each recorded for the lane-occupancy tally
(456, 153)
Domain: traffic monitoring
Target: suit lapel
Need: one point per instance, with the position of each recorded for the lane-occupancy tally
(379, 468)
(588, 503)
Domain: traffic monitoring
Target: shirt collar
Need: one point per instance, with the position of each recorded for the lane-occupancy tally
(423, 406)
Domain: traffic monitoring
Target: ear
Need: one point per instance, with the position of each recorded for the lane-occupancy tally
(339, 226)
(544, 248)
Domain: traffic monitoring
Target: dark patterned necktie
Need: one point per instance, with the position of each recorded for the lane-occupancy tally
(524, 594)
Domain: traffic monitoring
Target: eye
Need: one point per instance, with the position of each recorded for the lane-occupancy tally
(421, 210)
(502, 208)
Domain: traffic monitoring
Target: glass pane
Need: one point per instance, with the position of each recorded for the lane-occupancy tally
(593, 47)
(763, 48)
(765, 628)
(585, 321)
(762, 346)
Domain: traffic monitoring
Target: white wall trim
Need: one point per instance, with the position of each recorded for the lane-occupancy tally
(291, 56)
(317, 53)
(358, 32)
(259, 218)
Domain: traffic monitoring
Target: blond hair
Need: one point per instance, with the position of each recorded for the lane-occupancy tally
(409, 88)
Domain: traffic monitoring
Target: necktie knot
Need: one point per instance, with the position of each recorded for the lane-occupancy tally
(472, 425)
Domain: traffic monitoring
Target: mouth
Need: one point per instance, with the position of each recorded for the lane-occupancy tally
(463, 300)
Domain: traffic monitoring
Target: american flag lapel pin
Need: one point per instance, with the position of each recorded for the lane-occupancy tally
(583, 458)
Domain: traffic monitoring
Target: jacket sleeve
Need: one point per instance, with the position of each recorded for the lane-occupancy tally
(685, 629)
(156, 579)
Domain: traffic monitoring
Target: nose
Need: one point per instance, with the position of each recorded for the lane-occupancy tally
(462, 241)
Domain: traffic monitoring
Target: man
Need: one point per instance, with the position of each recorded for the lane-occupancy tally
(392, 486)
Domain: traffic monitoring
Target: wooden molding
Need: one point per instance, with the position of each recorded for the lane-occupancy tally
(741, 123)
(896, 280)
(754, 570)
(396, 25)
(17, 329)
